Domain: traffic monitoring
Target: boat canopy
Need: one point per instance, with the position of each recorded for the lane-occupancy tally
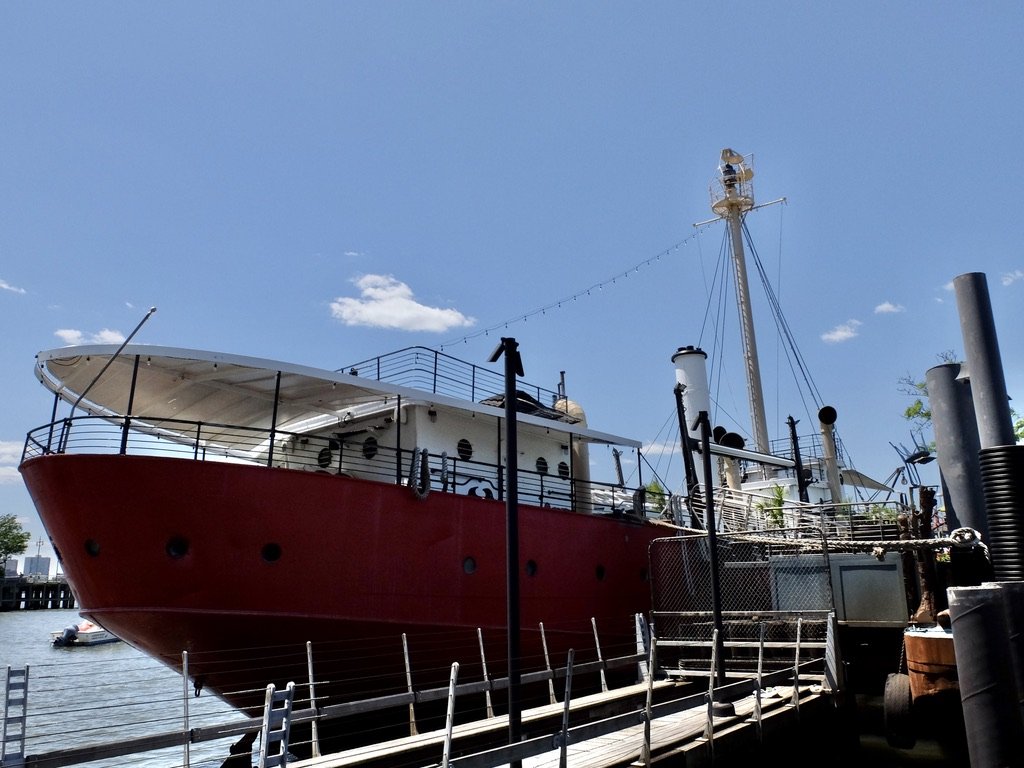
(143, 381)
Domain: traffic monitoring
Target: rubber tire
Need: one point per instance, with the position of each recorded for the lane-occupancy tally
(899, 712)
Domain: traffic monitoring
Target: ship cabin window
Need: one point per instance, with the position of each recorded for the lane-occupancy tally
(599, 572)
(563, 470)
(465, 449)
(92, 547)
(469, 565)
(542, 466)
(531, 567)
(369, 447)
(323, 459)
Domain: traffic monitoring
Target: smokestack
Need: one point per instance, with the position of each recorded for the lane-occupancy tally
(692, 375)
(826, 418)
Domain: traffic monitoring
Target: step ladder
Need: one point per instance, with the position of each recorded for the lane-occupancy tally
(12, 749)
(277, 720)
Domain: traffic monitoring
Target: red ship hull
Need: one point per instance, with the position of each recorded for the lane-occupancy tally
(242, 565)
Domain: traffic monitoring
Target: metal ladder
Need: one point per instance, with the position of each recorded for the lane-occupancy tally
(12, 749)
(277, 720)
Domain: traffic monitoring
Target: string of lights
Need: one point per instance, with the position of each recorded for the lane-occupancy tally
(581, 294)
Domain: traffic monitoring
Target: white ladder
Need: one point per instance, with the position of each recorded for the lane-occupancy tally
(277, 720)
(12, 749)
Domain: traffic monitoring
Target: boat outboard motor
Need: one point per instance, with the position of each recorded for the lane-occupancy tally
(67, 637)
(827, 417)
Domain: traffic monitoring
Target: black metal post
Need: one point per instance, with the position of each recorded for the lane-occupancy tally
(273, 421)
(131, 404)
(801, 481)
(684, 441)
(704, 422)
(513, 366)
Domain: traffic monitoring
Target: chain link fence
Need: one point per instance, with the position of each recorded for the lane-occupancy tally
(773, 591)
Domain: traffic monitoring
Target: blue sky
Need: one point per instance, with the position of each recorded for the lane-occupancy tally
(322, 182)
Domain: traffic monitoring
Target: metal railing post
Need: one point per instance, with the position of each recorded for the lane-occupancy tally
(449, 722)
(564, 746)
(597, 644)
(408, 686)
(184, 700)
(547, 666)
(312, 700)
(487, 678)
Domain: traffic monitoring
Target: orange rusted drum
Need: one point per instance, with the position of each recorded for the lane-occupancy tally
(931, 662)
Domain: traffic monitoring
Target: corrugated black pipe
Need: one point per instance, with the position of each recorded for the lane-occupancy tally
(1002, 479)
(992, 717)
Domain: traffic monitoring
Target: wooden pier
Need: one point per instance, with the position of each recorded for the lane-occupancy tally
(680, 730)
(27, 594)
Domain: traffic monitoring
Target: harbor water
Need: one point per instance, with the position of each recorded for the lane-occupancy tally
(100, 694)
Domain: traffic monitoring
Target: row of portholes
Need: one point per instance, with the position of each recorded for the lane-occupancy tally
(469, 567)
(178, 546)
(542, 468)
(465, 451)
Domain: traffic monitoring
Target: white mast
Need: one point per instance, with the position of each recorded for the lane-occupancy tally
(732, 195)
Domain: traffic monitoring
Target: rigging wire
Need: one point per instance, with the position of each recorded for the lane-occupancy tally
(793, 354)
(583, 293)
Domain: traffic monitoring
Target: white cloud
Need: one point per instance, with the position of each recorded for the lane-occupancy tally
(1009, 278)
(660, 449)
(72, 336)
(10, 456)
(887, 308)
(389, 303)
(948, 286)
(843, 332)
(353, 254)
(12, 288)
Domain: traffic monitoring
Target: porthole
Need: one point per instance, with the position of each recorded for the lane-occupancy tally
(271, 553)
(531, 567)
(599, 572)
(542, 466)
(369, 447)
(563, 470)
(465, 449)
(469, 565)
(323, 459)
(92, 547)
(177, 547)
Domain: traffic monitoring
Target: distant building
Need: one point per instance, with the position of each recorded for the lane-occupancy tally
(11, 569)
(37, 566)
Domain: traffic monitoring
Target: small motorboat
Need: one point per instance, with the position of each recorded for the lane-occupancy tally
(83, 633)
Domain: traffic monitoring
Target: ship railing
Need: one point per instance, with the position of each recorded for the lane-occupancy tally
(737, 510)
(200, 726)
(332, 454)
(432, 371)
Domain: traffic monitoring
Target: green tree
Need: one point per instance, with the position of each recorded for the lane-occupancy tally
(657, 498)
(920, 415)
(13, 539)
